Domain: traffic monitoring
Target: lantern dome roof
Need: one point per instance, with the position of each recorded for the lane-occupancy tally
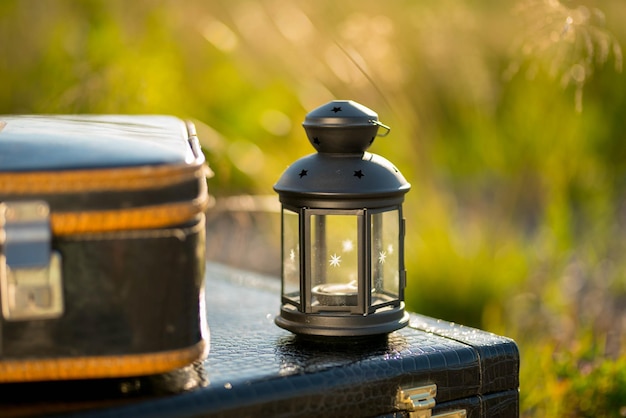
(322, 180)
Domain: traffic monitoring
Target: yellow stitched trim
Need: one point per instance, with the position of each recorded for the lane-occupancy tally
(99, 366)
(145, 217)
(75, 181)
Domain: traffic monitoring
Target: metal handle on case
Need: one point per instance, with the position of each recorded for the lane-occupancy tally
(460, 413)
(420, 401)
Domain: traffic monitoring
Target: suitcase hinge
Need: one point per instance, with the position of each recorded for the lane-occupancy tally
(30, 272)
(420, 401)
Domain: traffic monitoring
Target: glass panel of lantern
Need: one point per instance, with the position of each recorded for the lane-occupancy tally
(333, 279)
(385, 258)
(291, 257)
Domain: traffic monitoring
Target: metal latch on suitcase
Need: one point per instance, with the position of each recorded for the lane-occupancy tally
(30, 273)
(420, 401)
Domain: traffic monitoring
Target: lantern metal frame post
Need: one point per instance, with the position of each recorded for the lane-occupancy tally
(342, 184)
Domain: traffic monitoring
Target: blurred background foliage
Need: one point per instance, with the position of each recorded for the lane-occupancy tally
(508, 120)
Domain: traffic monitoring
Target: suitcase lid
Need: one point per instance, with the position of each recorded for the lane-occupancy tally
(64, 142)
(103, 173)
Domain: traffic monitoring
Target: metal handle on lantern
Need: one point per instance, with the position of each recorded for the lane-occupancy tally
(382, 125)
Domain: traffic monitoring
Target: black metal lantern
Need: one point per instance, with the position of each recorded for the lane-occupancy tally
(342, 230)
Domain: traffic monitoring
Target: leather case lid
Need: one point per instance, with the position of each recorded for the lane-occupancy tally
(47, 143)
(101, 173)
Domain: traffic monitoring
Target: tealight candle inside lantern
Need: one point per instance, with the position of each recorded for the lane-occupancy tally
(336, 294)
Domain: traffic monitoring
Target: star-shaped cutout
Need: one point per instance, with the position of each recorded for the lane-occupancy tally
(316, 141)
(382, 256)
(337, 109)
(347, 246)
(358, 173)
(335, 260)
(303, 173)
(292, 255)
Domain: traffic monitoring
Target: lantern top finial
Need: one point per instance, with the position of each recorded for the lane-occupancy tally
(342, 127)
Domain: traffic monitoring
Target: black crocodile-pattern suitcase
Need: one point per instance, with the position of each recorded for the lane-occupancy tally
(255, 369)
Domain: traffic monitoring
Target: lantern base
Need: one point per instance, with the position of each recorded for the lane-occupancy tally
(338, 325)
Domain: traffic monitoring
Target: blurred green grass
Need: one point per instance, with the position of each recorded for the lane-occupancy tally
(508, 120)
